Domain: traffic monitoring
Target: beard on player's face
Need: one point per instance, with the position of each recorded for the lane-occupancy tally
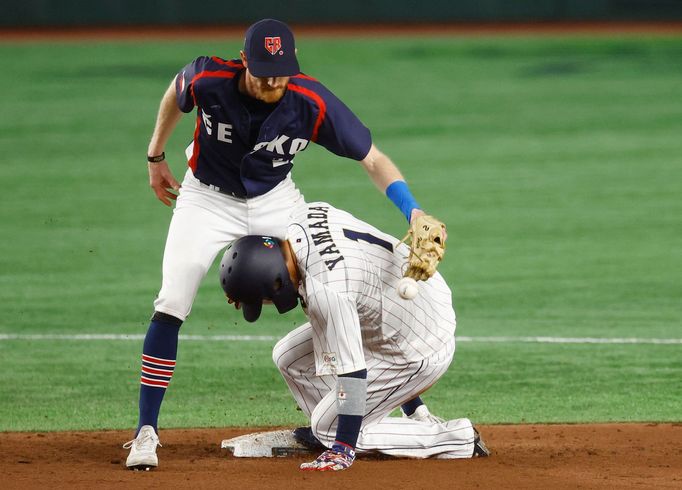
(268, 90)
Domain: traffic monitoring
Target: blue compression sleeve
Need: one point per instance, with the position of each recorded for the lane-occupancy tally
(400, 194)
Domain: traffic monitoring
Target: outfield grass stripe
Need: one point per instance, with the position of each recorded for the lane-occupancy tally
(570, 340)
(272, 338)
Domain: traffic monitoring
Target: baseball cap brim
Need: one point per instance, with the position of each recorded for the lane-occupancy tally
(265, 69)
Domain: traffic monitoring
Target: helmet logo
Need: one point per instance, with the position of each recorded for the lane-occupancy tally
(273, 44)
(268, 242)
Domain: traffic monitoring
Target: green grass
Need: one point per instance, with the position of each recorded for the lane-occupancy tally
(93, 385)
(556, 163)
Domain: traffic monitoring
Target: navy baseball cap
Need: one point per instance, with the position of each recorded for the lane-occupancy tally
(270, 49)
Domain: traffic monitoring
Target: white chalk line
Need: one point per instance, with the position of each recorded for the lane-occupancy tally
(272, 338)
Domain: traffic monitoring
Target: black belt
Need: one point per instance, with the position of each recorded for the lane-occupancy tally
(223, 191)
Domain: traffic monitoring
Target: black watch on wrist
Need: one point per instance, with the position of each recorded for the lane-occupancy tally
(157, 158)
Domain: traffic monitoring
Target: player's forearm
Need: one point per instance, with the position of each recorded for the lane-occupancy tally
(166, 120)
(390, 181)
(381, 169)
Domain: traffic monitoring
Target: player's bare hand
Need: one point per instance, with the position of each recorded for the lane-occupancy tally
(161, 180)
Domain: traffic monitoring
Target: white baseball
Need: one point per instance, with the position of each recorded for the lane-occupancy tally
(407, 288)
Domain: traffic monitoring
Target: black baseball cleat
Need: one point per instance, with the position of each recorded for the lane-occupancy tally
(305, 436)
(480, 449)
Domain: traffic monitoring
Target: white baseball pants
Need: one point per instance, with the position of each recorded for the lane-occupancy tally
(388, 386)
(206, 221)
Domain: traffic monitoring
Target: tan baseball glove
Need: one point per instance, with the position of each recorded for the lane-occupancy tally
(427, 247)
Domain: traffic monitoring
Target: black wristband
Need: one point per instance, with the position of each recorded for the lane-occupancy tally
(157, 158)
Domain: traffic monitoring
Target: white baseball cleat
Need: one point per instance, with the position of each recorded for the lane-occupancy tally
(422, 414)
(143, 450)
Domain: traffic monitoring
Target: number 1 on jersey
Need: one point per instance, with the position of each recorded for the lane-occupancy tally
(367, 237)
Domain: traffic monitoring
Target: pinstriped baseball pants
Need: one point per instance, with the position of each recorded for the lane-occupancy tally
(388, 386)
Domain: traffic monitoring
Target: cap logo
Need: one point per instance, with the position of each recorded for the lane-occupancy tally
(268, 242)
(273, 44)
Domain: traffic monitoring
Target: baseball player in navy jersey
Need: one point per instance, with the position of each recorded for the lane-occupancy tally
(253, 115)
(365, 350)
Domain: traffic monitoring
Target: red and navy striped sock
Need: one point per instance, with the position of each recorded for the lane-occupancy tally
(158, 363)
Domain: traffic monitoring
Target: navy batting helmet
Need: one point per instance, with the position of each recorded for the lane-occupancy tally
(252, 270)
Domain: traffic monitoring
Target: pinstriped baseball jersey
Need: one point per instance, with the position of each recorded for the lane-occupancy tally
(349, 273)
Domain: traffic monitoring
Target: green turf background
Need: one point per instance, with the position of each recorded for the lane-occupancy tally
(556, 163)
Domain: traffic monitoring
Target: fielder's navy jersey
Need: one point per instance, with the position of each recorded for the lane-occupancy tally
(222, 154)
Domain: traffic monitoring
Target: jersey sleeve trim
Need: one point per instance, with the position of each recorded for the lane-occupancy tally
(207, 74)
(305, 77)
(230, 63)
(321, 105)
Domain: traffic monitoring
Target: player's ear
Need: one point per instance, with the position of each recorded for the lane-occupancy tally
(242, 55)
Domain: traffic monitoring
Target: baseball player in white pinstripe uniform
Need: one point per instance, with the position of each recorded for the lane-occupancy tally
(365, 350)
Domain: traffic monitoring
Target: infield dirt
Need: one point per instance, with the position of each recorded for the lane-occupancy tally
(524, 456)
